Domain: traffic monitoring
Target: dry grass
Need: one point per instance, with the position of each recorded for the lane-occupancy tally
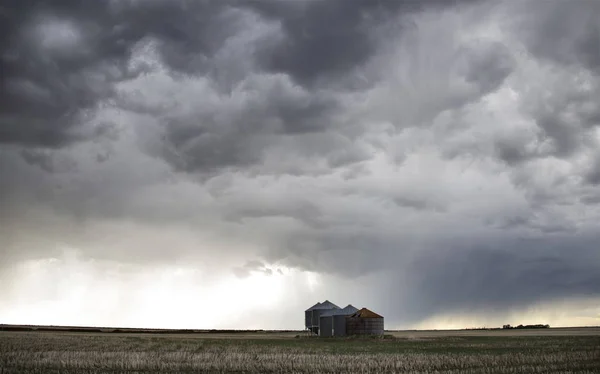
(88, 353)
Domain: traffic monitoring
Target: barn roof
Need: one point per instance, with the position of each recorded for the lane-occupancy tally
(365, 313)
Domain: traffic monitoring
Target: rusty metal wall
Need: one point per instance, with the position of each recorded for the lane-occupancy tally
(364, 326)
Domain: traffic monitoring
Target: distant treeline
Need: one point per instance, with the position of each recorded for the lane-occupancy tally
(132, 330)
(509, 327)
(526, 327)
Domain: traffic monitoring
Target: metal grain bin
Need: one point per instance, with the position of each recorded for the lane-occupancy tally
(364, 322)
(308, 316)
(339, 320)
(326, 325)
(333, 322)
(315, 312)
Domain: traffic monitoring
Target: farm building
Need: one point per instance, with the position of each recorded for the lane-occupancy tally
(364, 322)
(312, 314)
(327, 319)
(333, 322)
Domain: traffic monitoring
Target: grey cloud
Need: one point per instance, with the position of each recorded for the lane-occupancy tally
(566, 138)
(272, 207)
(568, 117)
(564, 32)
(344, 253)
(237, 146)
(563, 35)
(535, 223)
(252, 266)
(61, 61)
(590, 199)
(56, 68)
(563, 106)
(52, 100)
(418, 204)
(261, 114)
(486, 65)
(523, 272)
(512, 151)
(47, 161)
(439, 80)
(323, 37)
(593, 173)
(327, 39)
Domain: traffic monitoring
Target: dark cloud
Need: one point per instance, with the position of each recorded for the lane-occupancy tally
(324, 37)
(47, 161)
(593, 173)
(232, 137)
(564, 35)
(512, 151)
(524, 272)
(236, 132)
(57, 63)
(328, 39)
(563, 32)
(418, 204)
(60, 61)
(63, 61)
(486, 65)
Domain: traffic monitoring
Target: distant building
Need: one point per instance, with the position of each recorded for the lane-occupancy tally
(333, 322)
(327, 319)
(312, 314)
(364, 322)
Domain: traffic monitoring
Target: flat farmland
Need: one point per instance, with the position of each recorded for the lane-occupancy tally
(564, 331)
(460, 351)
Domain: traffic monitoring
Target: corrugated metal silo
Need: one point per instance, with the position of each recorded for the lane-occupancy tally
(315, 313)
(339, 320)
(333, 322)
(326, 324)
(364, 322)
(308, 316)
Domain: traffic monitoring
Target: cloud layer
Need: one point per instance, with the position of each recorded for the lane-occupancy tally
(424, 160)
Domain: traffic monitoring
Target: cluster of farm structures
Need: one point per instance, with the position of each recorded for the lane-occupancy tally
(327, 319)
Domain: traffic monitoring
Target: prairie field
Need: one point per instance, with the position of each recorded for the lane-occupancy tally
(550, 351)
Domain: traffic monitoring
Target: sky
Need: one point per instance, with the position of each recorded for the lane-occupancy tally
(229, 163)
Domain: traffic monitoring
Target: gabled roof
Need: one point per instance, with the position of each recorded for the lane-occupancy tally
(365, 313)
(340, 312)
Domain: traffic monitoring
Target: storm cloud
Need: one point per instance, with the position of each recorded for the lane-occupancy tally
(425, 159)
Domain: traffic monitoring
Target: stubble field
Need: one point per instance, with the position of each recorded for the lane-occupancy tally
(551, 351)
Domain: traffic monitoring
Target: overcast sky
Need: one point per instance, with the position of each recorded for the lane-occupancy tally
(227, 164)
